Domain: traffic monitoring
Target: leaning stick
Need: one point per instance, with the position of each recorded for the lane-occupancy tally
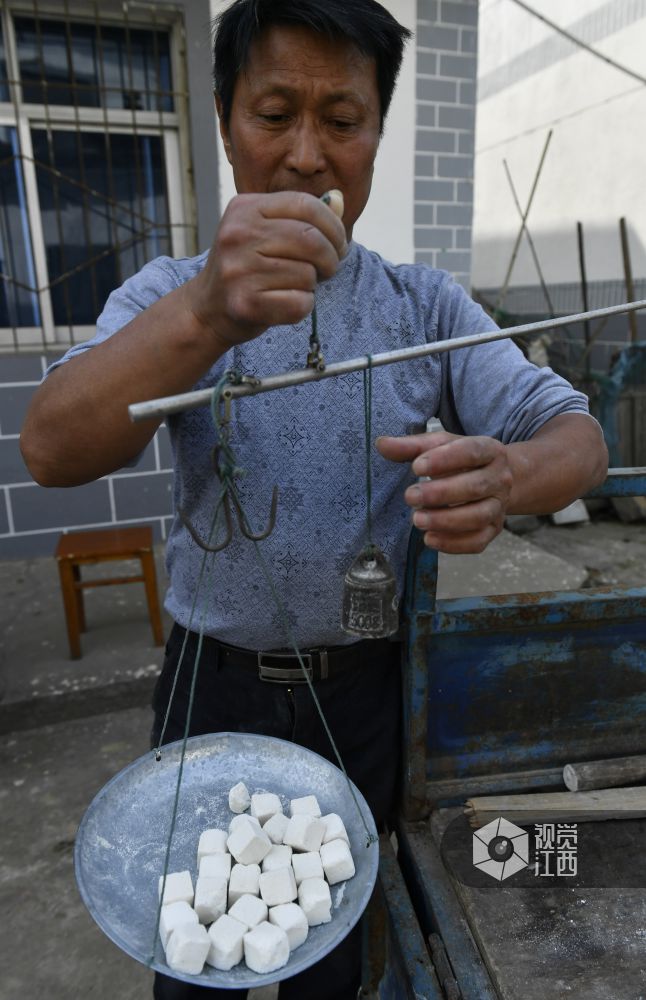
(583, 776)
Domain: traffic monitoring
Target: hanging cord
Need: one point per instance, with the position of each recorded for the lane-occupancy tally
(367, 415)
(370, 837)
(315, 357)
(228, 470)
(227, 379)
(158, 750)
(189, 713)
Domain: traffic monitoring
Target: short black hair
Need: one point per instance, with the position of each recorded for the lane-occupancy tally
(365, 23)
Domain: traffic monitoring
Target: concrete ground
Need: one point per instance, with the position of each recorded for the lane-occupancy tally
(68, 726)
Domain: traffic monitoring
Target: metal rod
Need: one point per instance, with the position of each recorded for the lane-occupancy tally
(628, 274)
(252, 387)
(584, 296)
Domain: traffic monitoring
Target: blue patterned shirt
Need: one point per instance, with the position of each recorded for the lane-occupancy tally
(309, 439)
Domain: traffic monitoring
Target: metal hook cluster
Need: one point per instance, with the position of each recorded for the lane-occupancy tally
(229, 498)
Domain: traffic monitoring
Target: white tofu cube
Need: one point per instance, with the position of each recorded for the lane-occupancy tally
(266, 948)
(249, 910)
(307, 866)
(210, 898)
(278, 886)
(172, 916)
(215, 866)
(304, 833)
(334, 829)
(315, 901)
(178, 888)
(293, 921)
(187, 948)
(248, 843)
(239, 798)
(244, 881)
(264, 805)
(275, 827)
(280, 856)
(227, 943)
(211, 842)
(307, 805)
(337, 861)
(242, 821)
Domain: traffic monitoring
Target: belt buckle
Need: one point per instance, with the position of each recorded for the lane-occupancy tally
(284, 675)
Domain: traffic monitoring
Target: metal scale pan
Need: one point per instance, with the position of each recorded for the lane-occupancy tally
(121, 842)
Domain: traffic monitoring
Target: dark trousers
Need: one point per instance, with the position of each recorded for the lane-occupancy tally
(362, 705)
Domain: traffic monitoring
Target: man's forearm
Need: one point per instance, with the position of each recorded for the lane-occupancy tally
(77, 428)
(565, 458)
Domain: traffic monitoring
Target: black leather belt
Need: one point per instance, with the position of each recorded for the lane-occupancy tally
(283, 667)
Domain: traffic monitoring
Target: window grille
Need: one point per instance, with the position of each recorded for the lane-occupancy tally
(94, 172)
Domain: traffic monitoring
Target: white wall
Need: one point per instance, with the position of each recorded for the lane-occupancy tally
(596, 164)
(387, 223)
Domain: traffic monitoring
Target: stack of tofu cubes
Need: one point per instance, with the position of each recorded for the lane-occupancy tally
(260, 885)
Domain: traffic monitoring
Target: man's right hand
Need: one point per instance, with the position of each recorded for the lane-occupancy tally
(269, 253)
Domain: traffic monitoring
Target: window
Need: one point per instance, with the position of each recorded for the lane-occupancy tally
(92, 125)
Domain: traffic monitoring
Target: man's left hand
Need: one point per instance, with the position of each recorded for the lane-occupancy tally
(463, 506)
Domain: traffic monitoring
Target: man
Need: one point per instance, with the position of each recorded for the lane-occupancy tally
(302, 92)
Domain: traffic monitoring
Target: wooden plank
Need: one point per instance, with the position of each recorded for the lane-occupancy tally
(562, 807)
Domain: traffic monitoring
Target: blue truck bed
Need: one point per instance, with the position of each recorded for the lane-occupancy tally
(500, 693)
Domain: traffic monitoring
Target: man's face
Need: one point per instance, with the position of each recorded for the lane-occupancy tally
(305, 117)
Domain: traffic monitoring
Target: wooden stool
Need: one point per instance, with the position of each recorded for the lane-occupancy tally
(79, 548)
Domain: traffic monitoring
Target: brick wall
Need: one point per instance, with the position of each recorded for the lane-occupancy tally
(32, 518)
(447, 46)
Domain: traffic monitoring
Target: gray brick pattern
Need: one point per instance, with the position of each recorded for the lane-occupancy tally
(32, 518)
(4, 518)
(446, 71)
